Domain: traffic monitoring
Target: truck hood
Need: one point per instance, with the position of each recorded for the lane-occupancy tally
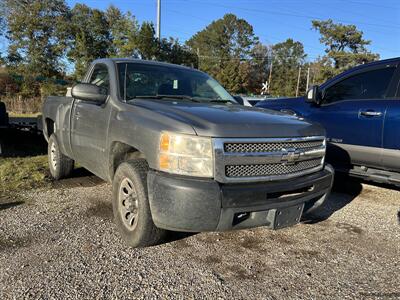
(224, 120)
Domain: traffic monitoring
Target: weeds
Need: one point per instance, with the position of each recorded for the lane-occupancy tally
(21, 173)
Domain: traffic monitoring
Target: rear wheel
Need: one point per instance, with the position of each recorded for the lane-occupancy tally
(131, 205)
(60, 165)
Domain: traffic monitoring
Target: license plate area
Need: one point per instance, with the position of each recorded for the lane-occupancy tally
(288, 216)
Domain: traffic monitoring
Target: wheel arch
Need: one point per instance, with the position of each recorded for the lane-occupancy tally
(120, 152)
(49, 127)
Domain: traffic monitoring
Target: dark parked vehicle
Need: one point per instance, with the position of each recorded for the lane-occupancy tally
(181, 154)
(360, 110)
(3, 124)
(3, 116)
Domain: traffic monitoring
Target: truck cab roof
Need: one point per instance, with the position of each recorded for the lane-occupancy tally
(140, 61)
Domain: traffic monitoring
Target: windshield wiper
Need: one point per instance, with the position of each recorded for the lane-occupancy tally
(220, 100)
(184, 97)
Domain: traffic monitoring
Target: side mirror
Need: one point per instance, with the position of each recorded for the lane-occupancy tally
(313, 95)
(89, 92)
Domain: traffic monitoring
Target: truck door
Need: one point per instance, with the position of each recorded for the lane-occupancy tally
(352, 111)
(90, 125)
(391, 133)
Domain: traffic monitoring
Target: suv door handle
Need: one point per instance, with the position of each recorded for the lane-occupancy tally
(371, 113)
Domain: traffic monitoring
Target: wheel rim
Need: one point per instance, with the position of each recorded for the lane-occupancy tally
(53, 156)
(128, 204)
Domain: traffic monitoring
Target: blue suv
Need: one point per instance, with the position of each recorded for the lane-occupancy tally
(360, 110)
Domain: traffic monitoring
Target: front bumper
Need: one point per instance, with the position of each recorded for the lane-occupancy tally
(187, 204)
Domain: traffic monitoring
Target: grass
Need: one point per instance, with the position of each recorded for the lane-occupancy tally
(22, 173)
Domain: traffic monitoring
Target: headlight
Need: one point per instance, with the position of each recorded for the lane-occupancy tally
(186, 155)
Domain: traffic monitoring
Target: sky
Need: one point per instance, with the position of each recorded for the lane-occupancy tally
(273, 20)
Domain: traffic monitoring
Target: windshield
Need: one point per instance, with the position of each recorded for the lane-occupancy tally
(147, 81)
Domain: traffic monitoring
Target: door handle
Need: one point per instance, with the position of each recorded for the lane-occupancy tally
(371, 113)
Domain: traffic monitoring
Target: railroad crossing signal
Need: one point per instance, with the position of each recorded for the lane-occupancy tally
(265, 88)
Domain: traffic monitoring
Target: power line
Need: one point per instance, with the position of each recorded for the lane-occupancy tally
(277, 39)
(293, 14)
(371, 4)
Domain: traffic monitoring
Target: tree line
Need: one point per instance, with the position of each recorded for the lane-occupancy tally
(51, 44)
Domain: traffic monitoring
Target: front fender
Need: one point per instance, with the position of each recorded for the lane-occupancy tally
(140, 128)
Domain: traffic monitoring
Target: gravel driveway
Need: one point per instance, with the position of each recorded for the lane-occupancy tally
(60, 243)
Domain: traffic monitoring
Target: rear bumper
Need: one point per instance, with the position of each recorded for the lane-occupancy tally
(187, 204)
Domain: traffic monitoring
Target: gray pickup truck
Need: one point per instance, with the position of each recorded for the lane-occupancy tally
(181, 154)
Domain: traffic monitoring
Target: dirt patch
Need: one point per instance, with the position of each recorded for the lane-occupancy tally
(252, 243)
(212, 260)
(101, 209)
(15, 243)
(349, 228)
(304, 253)
(80, 178)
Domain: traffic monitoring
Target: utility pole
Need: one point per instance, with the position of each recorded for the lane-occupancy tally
(270, 76)
(198, 58)
(158, 33)
(298, 83)
(308, 78)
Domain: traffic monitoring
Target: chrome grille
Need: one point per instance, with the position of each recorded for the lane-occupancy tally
(270, 147)
(270, 169)
(265, 159)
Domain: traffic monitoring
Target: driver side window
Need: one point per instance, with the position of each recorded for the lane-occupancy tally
(100, 77)
(368, 85)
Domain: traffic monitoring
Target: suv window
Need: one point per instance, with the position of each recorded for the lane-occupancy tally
(368, 85)
(100, 77)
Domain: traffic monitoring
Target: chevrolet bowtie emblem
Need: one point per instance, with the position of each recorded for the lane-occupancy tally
(290, 157)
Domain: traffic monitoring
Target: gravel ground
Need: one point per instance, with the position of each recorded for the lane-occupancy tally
(61, 243)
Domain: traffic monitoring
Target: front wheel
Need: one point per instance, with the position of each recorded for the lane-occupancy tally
(60, 165)
(131, 205)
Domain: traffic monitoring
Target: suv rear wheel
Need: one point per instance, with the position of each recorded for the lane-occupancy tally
(131, 205)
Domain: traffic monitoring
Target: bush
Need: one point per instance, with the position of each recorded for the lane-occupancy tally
(49, 88)
(27, 96)
(8, 85)
(20, 105)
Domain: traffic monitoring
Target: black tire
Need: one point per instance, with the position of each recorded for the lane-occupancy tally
(60, 165)
(314, 208)
(141, 231)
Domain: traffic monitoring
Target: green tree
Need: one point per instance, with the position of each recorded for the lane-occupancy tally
(146, 43)
(288, 57)
(321, 69)
(170, 50)
(90, 37)
(124, 30)
(223, 46)
(2, 30)
(257, 68)
(345, 44)
(36, 35)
